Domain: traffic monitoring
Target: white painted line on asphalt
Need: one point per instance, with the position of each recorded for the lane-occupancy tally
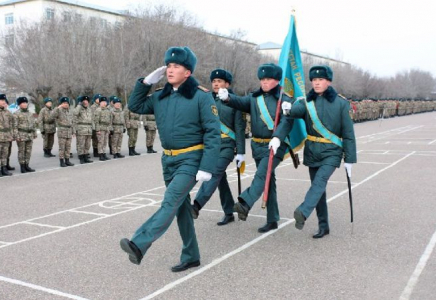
(432, 142)
(40, 288)
(217, 261)
(87, 213)
(42, 225)
(401, 132)
(372, 163)
(4, 243)
(383, 132)
(386, 152)
(419, 268)
(308, 180)
(409, 143)
(387, 142)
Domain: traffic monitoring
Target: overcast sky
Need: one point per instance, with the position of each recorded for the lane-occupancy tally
(380, 36)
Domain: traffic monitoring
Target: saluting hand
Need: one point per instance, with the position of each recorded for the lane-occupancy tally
(223, 94)
(155, 76)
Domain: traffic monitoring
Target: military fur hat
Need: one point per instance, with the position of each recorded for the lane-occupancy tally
(22, 100)
(3, 97)
(48, 99)
(270, 71)
(64, 99)
(321, 72)
(115, 99)
(182, 56)
(103, 99)
(221, 74)
(82, 98)
(96, 96)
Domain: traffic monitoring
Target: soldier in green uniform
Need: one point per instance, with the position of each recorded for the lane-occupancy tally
(82, 120)
(103, 125)
(47, 128)
(132, 123)
(330, 138)
(232, 138)
(6, 134)
(94, 106)
(189, 129)
(24, 133)
(150, 132)
(118, 127)
(65, 129)
(261, 105)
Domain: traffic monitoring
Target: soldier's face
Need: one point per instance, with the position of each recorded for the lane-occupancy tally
(97, 101)
(219, 83)
(24, 105)
(267, 84)
(3, 103)
(103, 104)
(117, 105)
(177, 74)
(49, 104)
(85, 103)
(65, 105)
(320, 85)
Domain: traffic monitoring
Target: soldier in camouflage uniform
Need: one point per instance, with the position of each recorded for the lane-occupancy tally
(132, 123)
(6, 134)
(118, 127)
(64, 122)
(109, 141)
(47, 128)
(150, 132)
(94, 106)
(103, 124)
(82, 121)
(24, 133)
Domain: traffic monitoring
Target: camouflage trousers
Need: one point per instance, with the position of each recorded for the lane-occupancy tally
(64, 147)
(83, 144)
(117, 140)
(133, 136)
(24, 151)
(4, 151)
(150, 136)
(94, 140)
(10, 150)
(109, 141)
(102, 141)
(48, 139)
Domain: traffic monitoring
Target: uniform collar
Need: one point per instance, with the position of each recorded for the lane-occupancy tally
(187, 89)
(330, 94)
(275, 92)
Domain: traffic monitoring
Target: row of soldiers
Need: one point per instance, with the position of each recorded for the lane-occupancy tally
(367, 109)
(98, 124)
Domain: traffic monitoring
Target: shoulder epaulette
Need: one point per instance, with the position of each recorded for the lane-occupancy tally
(203, 89)
(343, 97)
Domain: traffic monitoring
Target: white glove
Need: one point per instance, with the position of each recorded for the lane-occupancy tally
(240, 158)
(223, 94)
(155, 76)
(348, 168)
(286, 107)
(203, 176)
(274, 144)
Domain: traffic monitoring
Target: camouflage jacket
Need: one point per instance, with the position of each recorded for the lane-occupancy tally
(24, 125)
(93, 108)
(6, 125)
(44, 124)
(132, 120)
(82, 120)
(118, 124)
(149, 121)
(102, 119)
(64, 122)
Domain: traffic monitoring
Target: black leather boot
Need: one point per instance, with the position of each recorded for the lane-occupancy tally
(62, 163)
(67, 162)
(134, 152)
(96, 152)
(23, 168)
(28, 169)
(102, 157)
(82, 159)
(5, 172)
(131, 151)
(8, 166)
(119, 155)
(87, 159)
(46, 153)
(50, 154)
(105, 157)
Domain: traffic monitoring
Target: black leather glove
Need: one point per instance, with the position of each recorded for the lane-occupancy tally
(124, 130)
(42, 132)
(146, 127)
(111, 132)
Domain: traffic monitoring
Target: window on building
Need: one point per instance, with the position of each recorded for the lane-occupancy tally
(66, 16)
(9, 19)
(9, 40)
(49, 13)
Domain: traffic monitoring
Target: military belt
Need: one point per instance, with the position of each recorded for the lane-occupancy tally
(26, 130)
(84, 123)
(261, 141)
(104, 123)
(318, 139)
(65, 126)
(50, 122)
(5, 130)
(118, 124)
(184, 150)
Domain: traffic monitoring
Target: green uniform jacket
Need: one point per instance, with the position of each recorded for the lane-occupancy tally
(233, 119)
(64, 122)
(132, 120)
(82, 120)
(118, 123)
(333, 111)
(44, 124)
(259, 129)
(103, 119)
(6, 125)
(24, 125)
(184, 118)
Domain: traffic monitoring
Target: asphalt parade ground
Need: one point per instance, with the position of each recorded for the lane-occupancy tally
(60, 229)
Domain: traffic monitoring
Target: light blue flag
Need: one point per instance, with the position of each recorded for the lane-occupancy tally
(13, 107)
(293, 81)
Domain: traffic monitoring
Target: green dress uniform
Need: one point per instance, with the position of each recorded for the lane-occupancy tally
(186, 119)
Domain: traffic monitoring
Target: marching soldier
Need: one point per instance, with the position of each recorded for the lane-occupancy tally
(189, 130)
(24, 133)
(330, 137)
(47, 128)
(6, 134)
(132, 123)
(94, 106)
(82, 120)
(103, 124)
(65, 130)
(261, 105)
(118, 127)
(232, 137)
(150, 132)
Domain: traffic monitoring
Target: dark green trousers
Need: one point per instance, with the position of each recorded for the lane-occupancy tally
(218, 180)
(176, 202)
(316, 196)
(255, 190)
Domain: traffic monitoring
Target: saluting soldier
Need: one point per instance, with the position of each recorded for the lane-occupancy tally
(132, 123)
(6, 134)
(232, 138)
(65, 130)
(261, 105)
(103, 124)
(24, 133)
(188, 123)
(94, 106)
(330, 137)
(82, 120)
(47, 128)
(118, 127)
